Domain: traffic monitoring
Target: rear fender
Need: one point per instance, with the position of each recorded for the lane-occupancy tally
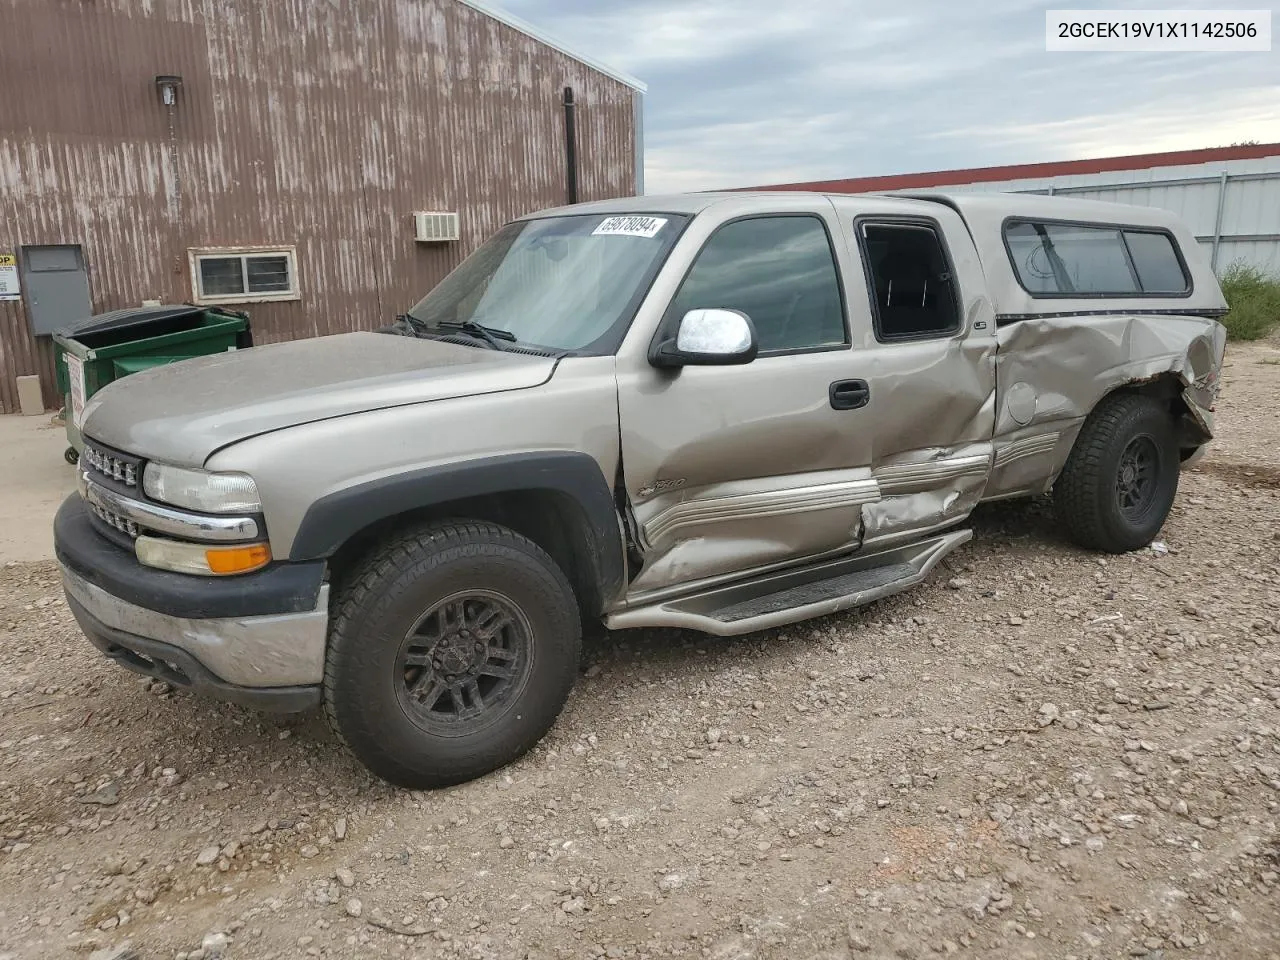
(1070, 363)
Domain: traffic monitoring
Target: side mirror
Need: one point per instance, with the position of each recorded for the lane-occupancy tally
(708, 338)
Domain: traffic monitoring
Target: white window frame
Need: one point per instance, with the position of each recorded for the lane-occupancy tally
(197, 254)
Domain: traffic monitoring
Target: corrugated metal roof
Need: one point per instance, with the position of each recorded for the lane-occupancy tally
(1029, 171)
(543, 37)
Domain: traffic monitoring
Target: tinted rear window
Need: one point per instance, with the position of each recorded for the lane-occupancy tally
(1092, 260)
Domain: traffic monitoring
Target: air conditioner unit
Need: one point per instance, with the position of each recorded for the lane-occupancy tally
(435, 227)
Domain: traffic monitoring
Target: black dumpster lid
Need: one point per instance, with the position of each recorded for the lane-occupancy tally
(131, 317)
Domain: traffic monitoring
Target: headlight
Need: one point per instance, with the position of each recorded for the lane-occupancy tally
(201, 490)
(201, 558)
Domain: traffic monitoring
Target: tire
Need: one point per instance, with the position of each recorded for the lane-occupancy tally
(71, 455)
(452, 652)
(1118, 484)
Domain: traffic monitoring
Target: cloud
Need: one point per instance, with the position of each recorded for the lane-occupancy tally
(1160, 126)
(745, 92)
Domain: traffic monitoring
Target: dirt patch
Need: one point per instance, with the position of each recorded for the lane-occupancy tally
(1249, 409)
(35, 480)
(1244, 474)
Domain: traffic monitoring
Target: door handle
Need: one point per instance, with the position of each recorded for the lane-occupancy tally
(849, 394)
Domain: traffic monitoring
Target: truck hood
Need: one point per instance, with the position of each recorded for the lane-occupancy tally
(183, 412)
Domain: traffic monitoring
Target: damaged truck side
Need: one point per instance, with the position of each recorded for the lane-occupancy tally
(721, 412)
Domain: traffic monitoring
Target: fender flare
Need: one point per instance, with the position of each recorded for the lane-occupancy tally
(335, 518)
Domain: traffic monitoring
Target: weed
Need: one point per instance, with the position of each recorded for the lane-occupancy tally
(1254, 301)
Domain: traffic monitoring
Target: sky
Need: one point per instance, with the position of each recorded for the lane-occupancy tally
(753, 92)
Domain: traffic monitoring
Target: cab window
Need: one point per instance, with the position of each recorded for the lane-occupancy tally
(913, 291)
(780, 271)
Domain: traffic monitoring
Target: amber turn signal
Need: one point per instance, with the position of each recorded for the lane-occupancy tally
(201, 559)
(225, 560)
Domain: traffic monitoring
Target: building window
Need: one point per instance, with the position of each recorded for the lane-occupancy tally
(913, 290)
(1094, 260)
(779, 271)
(244, 275)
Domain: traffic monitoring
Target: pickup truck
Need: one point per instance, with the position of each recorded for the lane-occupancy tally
(721, 412)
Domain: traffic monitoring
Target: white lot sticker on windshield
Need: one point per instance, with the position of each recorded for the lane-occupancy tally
(647, 227)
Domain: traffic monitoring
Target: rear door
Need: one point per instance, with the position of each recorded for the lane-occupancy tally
(928, 355)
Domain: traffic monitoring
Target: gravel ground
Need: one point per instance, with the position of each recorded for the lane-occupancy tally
(1040, 753)
(1248, 409)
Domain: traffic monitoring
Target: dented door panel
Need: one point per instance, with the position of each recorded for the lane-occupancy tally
(735, 468)
(731, 468)
(926, 490)
(933, 399)
(934, 420)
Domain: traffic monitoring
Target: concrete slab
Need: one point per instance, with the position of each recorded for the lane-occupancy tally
(30, 400)
(34, 479)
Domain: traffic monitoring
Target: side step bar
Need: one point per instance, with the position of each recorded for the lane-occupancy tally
(790, 596)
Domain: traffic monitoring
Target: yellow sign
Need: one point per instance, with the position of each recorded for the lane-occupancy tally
(9, 286)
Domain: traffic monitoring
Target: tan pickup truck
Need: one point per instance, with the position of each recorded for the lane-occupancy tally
(723, 412)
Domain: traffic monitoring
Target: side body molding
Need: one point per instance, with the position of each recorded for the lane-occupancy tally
(574, 477)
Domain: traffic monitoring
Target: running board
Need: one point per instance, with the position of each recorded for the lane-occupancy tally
(790, 596)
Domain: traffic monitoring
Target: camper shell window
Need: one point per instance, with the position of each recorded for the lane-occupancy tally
(1093, 260)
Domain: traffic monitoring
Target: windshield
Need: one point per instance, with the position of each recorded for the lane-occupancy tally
(567, 283)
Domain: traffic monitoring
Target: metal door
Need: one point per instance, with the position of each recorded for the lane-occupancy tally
(735, 468)
(56, 286)
(930, 366)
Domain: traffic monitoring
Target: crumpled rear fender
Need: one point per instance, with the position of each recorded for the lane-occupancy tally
(1071, 363)
(1201, 376)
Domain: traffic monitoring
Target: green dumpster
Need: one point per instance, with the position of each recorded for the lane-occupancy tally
(108, 346)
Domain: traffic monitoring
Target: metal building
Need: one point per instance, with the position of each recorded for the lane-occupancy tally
(272, 156)
(1229, 196)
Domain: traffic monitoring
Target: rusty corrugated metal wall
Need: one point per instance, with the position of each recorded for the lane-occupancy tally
(316, 124)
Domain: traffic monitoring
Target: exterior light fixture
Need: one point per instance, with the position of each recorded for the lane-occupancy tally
(168, 85)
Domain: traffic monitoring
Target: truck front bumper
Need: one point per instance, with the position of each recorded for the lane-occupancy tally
(256, 640)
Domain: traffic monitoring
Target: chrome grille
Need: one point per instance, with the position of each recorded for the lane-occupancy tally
(110, 465)
(127, 527)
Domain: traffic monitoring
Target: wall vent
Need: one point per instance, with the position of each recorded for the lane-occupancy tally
(431, 227)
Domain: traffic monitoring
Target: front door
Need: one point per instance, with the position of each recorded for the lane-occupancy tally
(56, 286)
(735, 468)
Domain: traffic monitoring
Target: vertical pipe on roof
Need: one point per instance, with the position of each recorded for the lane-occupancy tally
(637, 99)
(570, 146)
(170, 100)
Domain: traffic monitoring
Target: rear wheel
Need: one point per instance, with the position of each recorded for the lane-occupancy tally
(453, 650)
(1118, 484)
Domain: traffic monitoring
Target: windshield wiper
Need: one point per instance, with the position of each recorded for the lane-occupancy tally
(419, 327)
(490, 335)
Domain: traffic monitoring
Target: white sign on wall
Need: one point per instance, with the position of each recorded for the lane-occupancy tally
(9, 287)
(75, 376)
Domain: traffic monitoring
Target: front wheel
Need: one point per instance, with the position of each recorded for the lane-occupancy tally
(453, 650)
(1118, 484)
